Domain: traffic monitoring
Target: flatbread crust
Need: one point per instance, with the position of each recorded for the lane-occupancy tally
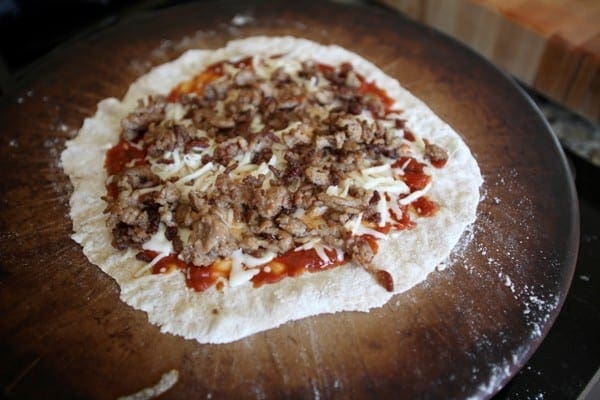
(244, 310)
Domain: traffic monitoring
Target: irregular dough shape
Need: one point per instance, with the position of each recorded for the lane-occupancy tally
(235, 312)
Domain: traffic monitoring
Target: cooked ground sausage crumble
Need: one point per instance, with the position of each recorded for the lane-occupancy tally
(263, 157)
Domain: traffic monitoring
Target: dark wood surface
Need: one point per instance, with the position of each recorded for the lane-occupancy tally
(465, 331)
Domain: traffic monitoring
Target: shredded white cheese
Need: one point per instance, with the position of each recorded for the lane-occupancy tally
(357, 228)
(175, 111)
(238, 274)
(363, 230)
(158, 242)
(414, 195)
(141, 192)
(320, 250)
(149, 266)
(196, 174)
(309, 245)
(383, 210)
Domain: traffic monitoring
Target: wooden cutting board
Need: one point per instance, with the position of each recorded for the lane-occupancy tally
(464, 332)
(552, 46)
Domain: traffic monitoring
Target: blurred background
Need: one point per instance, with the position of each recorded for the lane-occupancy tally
(551, 47)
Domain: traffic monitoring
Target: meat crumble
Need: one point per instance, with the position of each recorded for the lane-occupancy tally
(267, 157)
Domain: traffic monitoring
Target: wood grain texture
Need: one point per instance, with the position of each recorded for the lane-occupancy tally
(547, 44)
(65, 334)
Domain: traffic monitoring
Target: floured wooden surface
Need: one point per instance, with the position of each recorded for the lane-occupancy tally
(461, 333)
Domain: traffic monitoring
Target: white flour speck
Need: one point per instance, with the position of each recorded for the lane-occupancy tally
(508, 283)
(242, 19)
(442, 266)
(584, 278)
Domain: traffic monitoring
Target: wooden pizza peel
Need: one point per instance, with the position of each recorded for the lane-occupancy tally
(464, 332)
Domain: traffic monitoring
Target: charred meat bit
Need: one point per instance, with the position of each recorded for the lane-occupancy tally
(436, 154)
(385, 279)
(196, 144)
(138, 177)
(159, 139)
(230, 148)
(143, 256)
(138, 121)
(361, 251)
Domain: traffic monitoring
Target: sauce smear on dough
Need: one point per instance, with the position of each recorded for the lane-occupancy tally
(294, 263)
(425, 207)
(414, 175)
(120, 155)
(290, 264)
(373, 89)
(210, 74)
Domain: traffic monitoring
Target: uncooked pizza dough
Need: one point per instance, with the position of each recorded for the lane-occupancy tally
(233, 312)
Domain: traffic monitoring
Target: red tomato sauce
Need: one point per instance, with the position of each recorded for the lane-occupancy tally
(408, 135)
(292, 263)
(120, 155)
(325, 68)
(211, 73)
(373, 89)
(416, 180)
(201, 278)
(425, 207)
(413, 176)
(295, 263)
(439, 163)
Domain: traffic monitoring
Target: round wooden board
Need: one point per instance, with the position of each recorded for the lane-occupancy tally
(464, 332)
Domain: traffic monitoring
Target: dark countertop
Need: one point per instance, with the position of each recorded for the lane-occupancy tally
(569, 356)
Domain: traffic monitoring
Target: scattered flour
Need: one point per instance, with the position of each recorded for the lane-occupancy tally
(508, 262)
(167, 381)
(242, 20)
(536, 308)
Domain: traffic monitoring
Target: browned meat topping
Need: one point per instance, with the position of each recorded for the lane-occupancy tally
(435, 154)
(361, 250)
(265, 159)
(138, 122)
